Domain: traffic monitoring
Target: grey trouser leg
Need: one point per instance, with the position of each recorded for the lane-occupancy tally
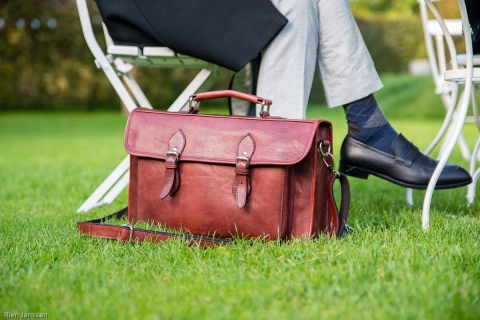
(323, 32)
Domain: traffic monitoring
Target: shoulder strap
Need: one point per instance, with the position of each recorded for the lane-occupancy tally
(339, 216)
(124, 233)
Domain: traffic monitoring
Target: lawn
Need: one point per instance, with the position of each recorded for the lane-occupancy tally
(387, 269)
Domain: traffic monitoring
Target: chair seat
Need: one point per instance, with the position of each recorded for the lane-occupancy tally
(459, 75)
(161, 57)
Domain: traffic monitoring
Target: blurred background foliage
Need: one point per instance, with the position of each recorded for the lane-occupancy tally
(45, 63)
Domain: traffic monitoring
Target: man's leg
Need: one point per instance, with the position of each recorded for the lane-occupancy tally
(346, 67)
(349, 76)
(288, 63)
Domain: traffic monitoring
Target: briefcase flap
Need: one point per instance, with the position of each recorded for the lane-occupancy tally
(216, 139)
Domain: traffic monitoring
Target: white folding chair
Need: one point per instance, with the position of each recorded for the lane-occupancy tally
(448, 91)
(457, 111)
(117, 64)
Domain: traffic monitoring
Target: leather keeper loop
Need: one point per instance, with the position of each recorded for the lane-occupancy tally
(171, 165)
(240, 171)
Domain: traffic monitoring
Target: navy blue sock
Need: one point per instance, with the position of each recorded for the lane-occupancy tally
(367, 124)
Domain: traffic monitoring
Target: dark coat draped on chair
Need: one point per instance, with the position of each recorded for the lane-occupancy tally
(229, 33)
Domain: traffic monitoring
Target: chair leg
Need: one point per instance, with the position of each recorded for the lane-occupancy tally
(476, 116)
(118, 180)
(462, 142)
(95, 199)
(475, 154)
(474, 173)
(409, 196)
(115, 191)
(136, 91)
(450, 144)
(451, 141)
(449, 101)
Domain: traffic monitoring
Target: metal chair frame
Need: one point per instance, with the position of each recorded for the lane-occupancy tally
(457, 111)
(448, 91)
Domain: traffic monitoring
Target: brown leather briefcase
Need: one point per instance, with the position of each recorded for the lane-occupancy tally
(222, 177)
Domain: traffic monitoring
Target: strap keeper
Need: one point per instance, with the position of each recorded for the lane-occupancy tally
(242, 172)
(171, 165)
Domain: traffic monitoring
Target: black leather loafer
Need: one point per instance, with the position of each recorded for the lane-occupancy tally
(408, 167)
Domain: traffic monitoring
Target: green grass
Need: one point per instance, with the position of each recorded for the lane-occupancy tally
(388, 268)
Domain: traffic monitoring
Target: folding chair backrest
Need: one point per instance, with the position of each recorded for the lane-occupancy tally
(435, 44)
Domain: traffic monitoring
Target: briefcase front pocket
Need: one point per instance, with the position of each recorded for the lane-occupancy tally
(205, 202)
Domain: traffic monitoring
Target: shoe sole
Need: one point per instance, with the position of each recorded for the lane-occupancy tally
(361, 173)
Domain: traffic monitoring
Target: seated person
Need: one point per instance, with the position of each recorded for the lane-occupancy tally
(325, 32)
(317, 31)
(473, 11)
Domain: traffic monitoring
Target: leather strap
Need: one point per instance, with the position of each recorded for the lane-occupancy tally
(171, 181)
(126, 233)
(408, 155)
(339, 216)
(241, 185)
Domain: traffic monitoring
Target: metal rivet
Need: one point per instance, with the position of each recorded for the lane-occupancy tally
(174, 149)
(245, 152)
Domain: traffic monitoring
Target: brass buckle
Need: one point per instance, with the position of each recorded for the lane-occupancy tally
(243, 158)
(173, 153)
(131, 230)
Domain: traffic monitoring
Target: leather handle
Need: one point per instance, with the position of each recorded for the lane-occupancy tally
(230, 94)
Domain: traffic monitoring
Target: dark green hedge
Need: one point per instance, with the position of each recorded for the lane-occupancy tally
(47, 68)
(392, 42)
(53, 69)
